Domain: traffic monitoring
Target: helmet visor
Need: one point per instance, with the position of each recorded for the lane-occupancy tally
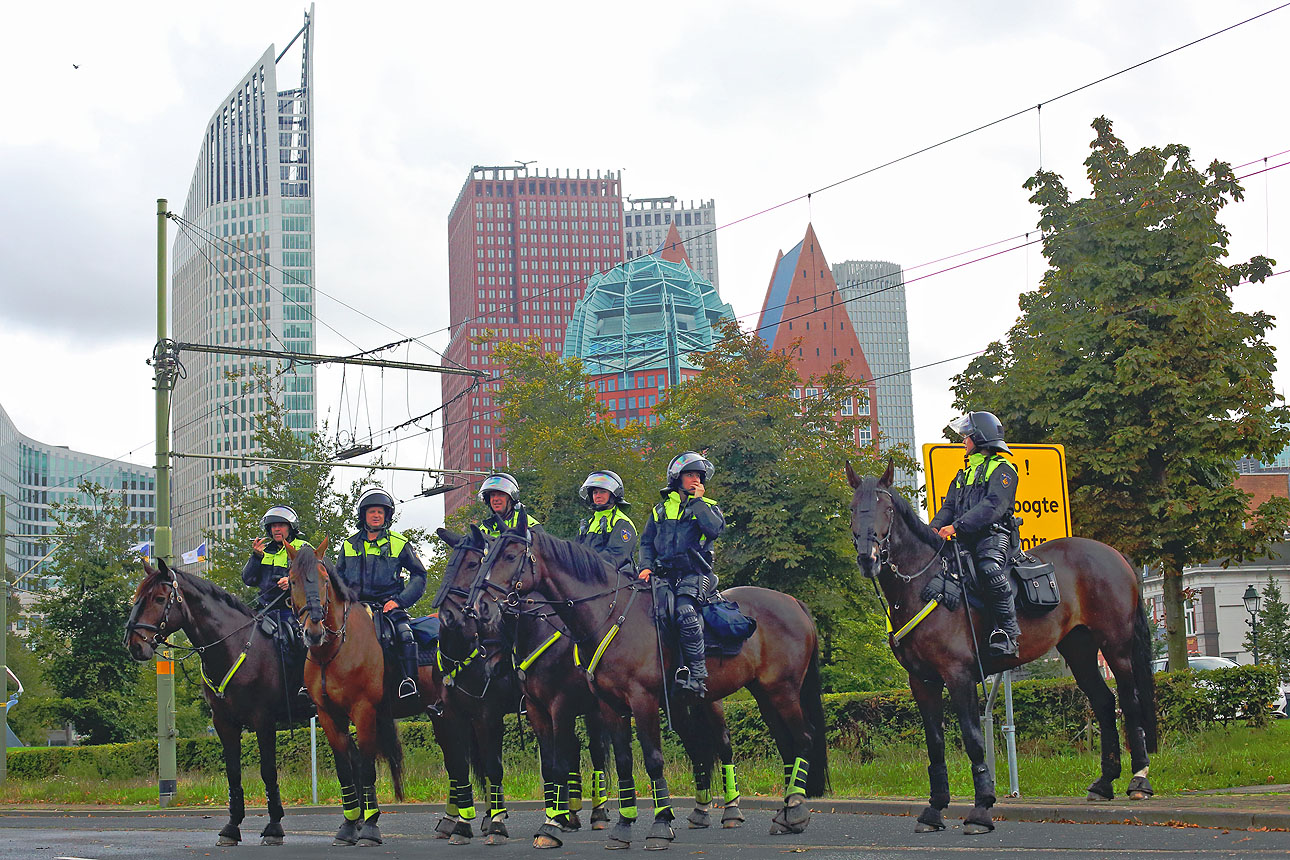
(498, 484)
(279, 514)
(962, 426)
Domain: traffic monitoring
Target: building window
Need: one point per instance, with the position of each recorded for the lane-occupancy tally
(846, 406)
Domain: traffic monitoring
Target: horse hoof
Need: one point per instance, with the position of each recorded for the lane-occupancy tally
(368, 842)
(657, 843)
(1139, 788)
(341, 843)
(732, 817)
(225, 842)
(270, 840)
(599, 818)
(978, 821)
(458, 839)
(699, 818)
(1094, 797)
(612, 844)
(930, 820)
(920, 827)
(975, 829)
(544, 841)
(496, 839)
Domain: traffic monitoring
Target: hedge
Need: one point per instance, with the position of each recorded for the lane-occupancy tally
(859, 724)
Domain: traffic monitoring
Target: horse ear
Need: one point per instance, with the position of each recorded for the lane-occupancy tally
(890, 474)
(476, 536)
(852, 478)
(449, 537)
(322, 548)
(162, 567)
(522, 521)
(291, 550)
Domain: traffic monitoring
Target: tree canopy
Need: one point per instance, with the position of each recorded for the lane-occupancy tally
(1131, 355)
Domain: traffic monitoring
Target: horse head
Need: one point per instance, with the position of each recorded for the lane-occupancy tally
(154, 615)
(509, 568)
(312, 583)
(459, 639)
(873, 516)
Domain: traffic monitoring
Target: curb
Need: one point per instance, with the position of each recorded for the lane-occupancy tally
(1006, 810)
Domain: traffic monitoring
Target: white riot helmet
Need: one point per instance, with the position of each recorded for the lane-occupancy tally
(375, 496)
(690, 461)
(500, 482)
(608, 481)
(281, 514)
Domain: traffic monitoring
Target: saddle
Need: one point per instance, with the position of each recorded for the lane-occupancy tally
(1033, 584)
(424, 629)
(725, 627)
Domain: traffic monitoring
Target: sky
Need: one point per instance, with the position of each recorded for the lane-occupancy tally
(748, 104)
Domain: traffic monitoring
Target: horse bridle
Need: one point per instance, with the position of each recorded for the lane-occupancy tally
(328, 633)
(158, 636)
(883, 543)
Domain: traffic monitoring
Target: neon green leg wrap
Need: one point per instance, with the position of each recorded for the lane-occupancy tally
(797, 778)
(729, 790)
(662, 799)
(466, 800)
(627, 799)
(349, 800)
(496, 802)
(557, 799)
(370, 809)
(599, 788)
(575, 791)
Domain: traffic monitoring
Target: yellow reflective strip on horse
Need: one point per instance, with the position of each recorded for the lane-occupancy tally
(913, 622)
(600, 651)
(219, 691)
(532, 658)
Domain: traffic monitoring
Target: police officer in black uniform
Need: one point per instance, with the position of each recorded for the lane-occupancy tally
(266, 569)
(609, 531)
(978, 510)
(501, 492)
(678, 544)
(370, 562)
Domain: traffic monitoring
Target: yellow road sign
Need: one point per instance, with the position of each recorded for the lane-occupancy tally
(1043, 501)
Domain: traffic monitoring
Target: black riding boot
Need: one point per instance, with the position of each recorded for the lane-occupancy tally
(690, 678)
(1004, 640)
(408, 659)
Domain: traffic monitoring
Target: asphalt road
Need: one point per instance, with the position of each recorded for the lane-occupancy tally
(85, 836)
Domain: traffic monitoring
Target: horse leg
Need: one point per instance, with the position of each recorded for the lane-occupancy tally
(335, 725)
(731, 815)
(768, 705)
(267, 736)
(794, 729)
(1080, 652)
(454, 741)
(650, 737)
(694, 732)
(493, 725)
(565, 724)
(230, 738)
(368, 750)
(968, 707)
(927, 695)
(597, 746)
(1121, 664)
(553, 774)
(620, 734)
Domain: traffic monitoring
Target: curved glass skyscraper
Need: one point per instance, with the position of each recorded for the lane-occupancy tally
(243, 276)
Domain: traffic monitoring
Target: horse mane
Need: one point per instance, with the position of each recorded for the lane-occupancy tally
(585, 564)
(199, 584)
(913, 522)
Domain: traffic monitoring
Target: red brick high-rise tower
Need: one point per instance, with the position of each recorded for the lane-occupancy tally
(802, 304)
(520, 249)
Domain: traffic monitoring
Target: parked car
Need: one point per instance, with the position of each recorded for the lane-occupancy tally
(1202, 664)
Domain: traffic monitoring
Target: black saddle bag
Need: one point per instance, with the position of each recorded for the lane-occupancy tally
(1037, 584)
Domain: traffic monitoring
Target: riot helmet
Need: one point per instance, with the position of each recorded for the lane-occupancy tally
(690, 461)
(375, 496)
(983, 429)
(604, 480)
(281, 514)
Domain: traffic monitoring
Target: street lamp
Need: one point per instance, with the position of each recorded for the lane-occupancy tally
(1252, 602)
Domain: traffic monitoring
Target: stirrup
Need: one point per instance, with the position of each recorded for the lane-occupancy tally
(1003, 643)
(407, 687)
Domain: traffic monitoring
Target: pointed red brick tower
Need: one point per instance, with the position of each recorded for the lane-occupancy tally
(673, 249)
(803, 316)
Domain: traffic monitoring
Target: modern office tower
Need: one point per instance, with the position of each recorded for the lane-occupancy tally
(646, 221)
(243, 276)
(35, 475)
(875, 300)
(637, 325)
(803, 315)
(521, 247)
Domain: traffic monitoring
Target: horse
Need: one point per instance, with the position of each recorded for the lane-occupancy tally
(610, 618)
(246, 682)
(351, 682)
(1101, 609)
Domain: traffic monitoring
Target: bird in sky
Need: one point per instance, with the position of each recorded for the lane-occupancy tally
(74, 66)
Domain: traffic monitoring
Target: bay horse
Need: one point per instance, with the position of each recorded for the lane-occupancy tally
(610, 618)
(351, 682)
(245, 681)
(1101, 609)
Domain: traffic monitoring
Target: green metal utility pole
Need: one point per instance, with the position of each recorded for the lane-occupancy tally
(163, 370)
(4, 653)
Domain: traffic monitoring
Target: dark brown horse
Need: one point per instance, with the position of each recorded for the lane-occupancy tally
(351, 682)
(611, 620)
(246, 682)
(1101, 609)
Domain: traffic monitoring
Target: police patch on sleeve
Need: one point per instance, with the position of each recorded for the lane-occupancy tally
(1005, 480)
(626, 536)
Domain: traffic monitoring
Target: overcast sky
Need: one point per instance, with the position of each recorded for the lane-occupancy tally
(750, 104)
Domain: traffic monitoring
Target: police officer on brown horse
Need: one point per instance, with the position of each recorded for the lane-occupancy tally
(370, 561)
(978, 510)
(678, 544)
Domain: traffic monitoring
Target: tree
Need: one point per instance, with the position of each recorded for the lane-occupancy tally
(311, 491)
(77, 631)
(1273, 630)
(1131, 355)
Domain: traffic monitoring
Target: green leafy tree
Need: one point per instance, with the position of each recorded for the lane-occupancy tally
(78, 624)
(1132, 356)
(1273, 630)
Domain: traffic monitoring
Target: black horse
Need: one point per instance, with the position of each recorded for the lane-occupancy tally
(1101, 609)
(246, 682)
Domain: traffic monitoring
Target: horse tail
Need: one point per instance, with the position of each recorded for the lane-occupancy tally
(811, 698)
(1143, 679)
(391, 747)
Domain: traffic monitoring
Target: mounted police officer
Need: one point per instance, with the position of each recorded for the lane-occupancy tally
(678, 544)
(609, 531)
(501, 493)
(370, 563)
(266, 569)
(978, 510)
